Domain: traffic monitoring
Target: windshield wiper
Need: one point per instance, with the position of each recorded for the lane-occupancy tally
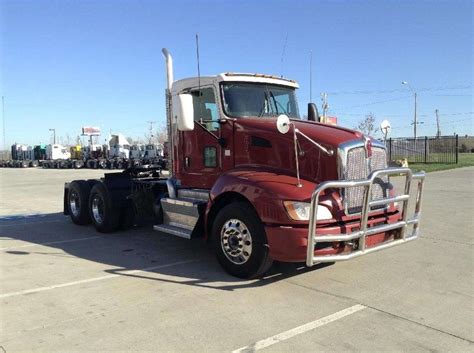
(277, 103)
(265, 100)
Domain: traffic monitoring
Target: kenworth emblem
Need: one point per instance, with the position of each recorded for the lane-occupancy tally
(368, 147)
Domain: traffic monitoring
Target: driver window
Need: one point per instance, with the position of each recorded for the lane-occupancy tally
(205, 108)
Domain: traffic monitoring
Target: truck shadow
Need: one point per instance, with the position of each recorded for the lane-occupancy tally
(139, 253)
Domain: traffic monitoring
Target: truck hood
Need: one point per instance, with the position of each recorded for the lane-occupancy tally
(264, 147)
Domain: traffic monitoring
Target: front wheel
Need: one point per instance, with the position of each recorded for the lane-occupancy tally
(240, 242)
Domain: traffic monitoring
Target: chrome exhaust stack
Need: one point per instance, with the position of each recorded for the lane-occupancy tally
(169, 108)
(169, 68)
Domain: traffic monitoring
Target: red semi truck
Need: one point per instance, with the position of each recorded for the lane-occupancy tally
(250, 176)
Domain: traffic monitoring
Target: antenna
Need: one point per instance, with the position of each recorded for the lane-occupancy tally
(197, 57)
(283, 53)
(310, 76)
(199, 78)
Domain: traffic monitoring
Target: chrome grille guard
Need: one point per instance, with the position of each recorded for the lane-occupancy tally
(367, 204)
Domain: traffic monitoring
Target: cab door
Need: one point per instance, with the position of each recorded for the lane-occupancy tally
(204, 151)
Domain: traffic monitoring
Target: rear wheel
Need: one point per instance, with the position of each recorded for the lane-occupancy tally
(103, 213)
(240, 242)
(78, 199)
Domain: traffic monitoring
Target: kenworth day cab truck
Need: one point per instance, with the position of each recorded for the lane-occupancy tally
(248, 175)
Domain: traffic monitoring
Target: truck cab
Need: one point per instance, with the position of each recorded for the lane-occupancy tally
(136, 151)
(153, 151)
(248, 174)
(119, 147)
(57, 152)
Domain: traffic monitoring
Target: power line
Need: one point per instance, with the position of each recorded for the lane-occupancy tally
(452, 122)
(397, 115)
(399, 90)
(451, 95)
(377, 102)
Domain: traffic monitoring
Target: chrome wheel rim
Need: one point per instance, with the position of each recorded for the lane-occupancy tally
(74, 203)
(97, 209)
(236, 241)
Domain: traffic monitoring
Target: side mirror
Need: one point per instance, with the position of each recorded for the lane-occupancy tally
(283, 123)
(313, 114)
(185, 112)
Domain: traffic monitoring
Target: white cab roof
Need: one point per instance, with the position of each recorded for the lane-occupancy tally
(180, 85)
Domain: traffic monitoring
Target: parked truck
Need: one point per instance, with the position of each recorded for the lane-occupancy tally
(57, 156)
(259, 183)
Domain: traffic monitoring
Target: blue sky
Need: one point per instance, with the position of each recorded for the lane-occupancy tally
(66, 64)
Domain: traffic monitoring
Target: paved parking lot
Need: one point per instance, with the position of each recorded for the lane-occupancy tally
(68, 288)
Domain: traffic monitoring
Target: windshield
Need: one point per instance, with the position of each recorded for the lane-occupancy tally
(259, 100)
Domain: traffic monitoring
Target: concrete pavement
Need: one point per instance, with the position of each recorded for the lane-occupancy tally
(68, 288)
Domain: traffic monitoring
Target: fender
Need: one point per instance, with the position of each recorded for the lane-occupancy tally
(265, 190)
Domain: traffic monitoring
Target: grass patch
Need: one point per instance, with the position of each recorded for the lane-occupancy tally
(465, 160)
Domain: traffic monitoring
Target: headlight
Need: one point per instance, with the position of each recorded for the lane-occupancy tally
(299, 211)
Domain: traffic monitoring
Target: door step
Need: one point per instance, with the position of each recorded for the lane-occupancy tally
(181, 215)
(173, 230)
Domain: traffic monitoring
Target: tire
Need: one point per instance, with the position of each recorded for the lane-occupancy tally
(103, 213)
(239, 241)
(78, 202)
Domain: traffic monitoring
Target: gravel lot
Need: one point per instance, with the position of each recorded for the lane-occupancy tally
(68, 288)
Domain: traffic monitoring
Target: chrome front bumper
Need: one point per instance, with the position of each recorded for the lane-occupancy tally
(364, 231)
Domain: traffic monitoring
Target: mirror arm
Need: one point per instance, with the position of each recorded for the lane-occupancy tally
(295, 144)
(325, 150)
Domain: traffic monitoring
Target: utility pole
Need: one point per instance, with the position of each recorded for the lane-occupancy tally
(3, 119)
(438, 132)
(151, 130)
(54, 135)
(415, 123)
(324, 98)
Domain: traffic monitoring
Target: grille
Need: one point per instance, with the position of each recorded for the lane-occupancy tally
(357, 168)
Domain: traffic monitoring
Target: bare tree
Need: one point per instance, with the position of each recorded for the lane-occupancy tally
(157, 136)
(367, 125)
(161, 134)
(68, 140)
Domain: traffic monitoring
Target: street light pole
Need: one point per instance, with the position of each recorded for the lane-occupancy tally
(54, 135)
(414, 119)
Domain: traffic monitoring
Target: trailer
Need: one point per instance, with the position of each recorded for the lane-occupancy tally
(252, 178)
